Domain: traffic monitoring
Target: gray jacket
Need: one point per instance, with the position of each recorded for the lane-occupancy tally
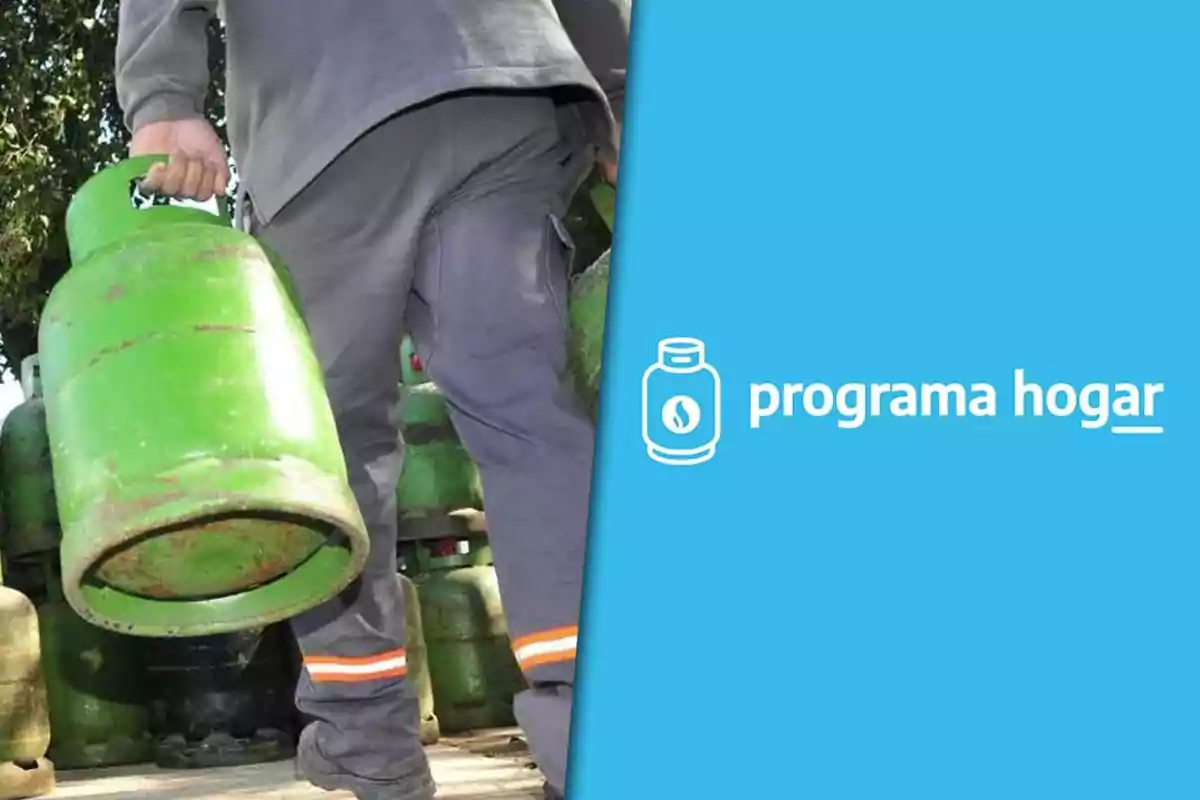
(308, 77)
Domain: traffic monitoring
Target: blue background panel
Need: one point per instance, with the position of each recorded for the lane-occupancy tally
(931, 607)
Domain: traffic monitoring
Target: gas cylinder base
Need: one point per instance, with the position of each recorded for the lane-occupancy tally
(224, 750)
(26, 780)
(32, 543)
(431, 730)
(213, 547)
(416, 526)
(119, 752)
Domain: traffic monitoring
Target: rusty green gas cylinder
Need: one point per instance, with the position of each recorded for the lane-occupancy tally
(24, 720)
(201, 486)
(438, 476)
(29, 505)
(417, 660)
(475, 675)
(223, 701)
(589, 303)
(95, 682)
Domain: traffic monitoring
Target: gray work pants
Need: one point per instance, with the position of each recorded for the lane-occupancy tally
(445, 221)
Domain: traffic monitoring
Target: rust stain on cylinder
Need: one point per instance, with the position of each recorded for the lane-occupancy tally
(128, 343)
(211, 328)
(105, 352)
(225, 251)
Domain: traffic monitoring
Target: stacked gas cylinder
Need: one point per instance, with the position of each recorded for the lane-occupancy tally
(24, 728)
(74, 695)
(27, 532)
(459, 656)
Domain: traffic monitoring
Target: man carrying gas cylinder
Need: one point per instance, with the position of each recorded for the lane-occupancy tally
(411, 162)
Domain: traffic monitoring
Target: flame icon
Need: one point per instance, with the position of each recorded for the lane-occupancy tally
(681, 414)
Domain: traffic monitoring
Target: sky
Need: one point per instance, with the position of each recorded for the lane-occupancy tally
(10, 395)
(10, 392)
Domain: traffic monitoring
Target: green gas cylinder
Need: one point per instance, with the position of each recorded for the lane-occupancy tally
(585, 342)
(437, 476)
(95, 682)
(588, 309)
(201, 486)
(224, 700)
(417, 661)
(604, 198)
(30, 509)
(24, 720)
(475, 675)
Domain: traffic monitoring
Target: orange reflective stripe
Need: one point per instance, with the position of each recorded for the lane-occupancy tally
(546, 647)
(347, 669)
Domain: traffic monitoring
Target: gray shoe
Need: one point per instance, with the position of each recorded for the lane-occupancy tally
(313, 767)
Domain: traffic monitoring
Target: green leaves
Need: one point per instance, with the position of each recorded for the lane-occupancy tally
(59, 122)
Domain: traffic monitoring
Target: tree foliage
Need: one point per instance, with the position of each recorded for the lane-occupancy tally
(59, 122)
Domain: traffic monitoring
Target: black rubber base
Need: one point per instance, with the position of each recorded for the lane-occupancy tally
(431, 731)
(223, 750)
(432, 526)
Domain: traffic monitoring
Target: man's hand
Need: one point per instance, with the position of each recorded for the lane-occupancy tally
(610, 168)
(610, 171)
(198, 167)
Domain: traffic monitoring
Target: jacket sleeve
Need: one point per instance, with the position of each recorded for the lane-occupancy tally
(162, 59)
(599, 29)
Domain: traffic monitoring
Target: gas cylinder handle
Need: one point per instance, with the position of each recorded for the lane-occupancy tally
(134, 170)
(103, 211)
(31, 377)
(142, 200)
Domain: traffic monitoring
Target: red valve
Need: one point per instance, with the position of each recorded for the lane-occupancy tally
(444, 548)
